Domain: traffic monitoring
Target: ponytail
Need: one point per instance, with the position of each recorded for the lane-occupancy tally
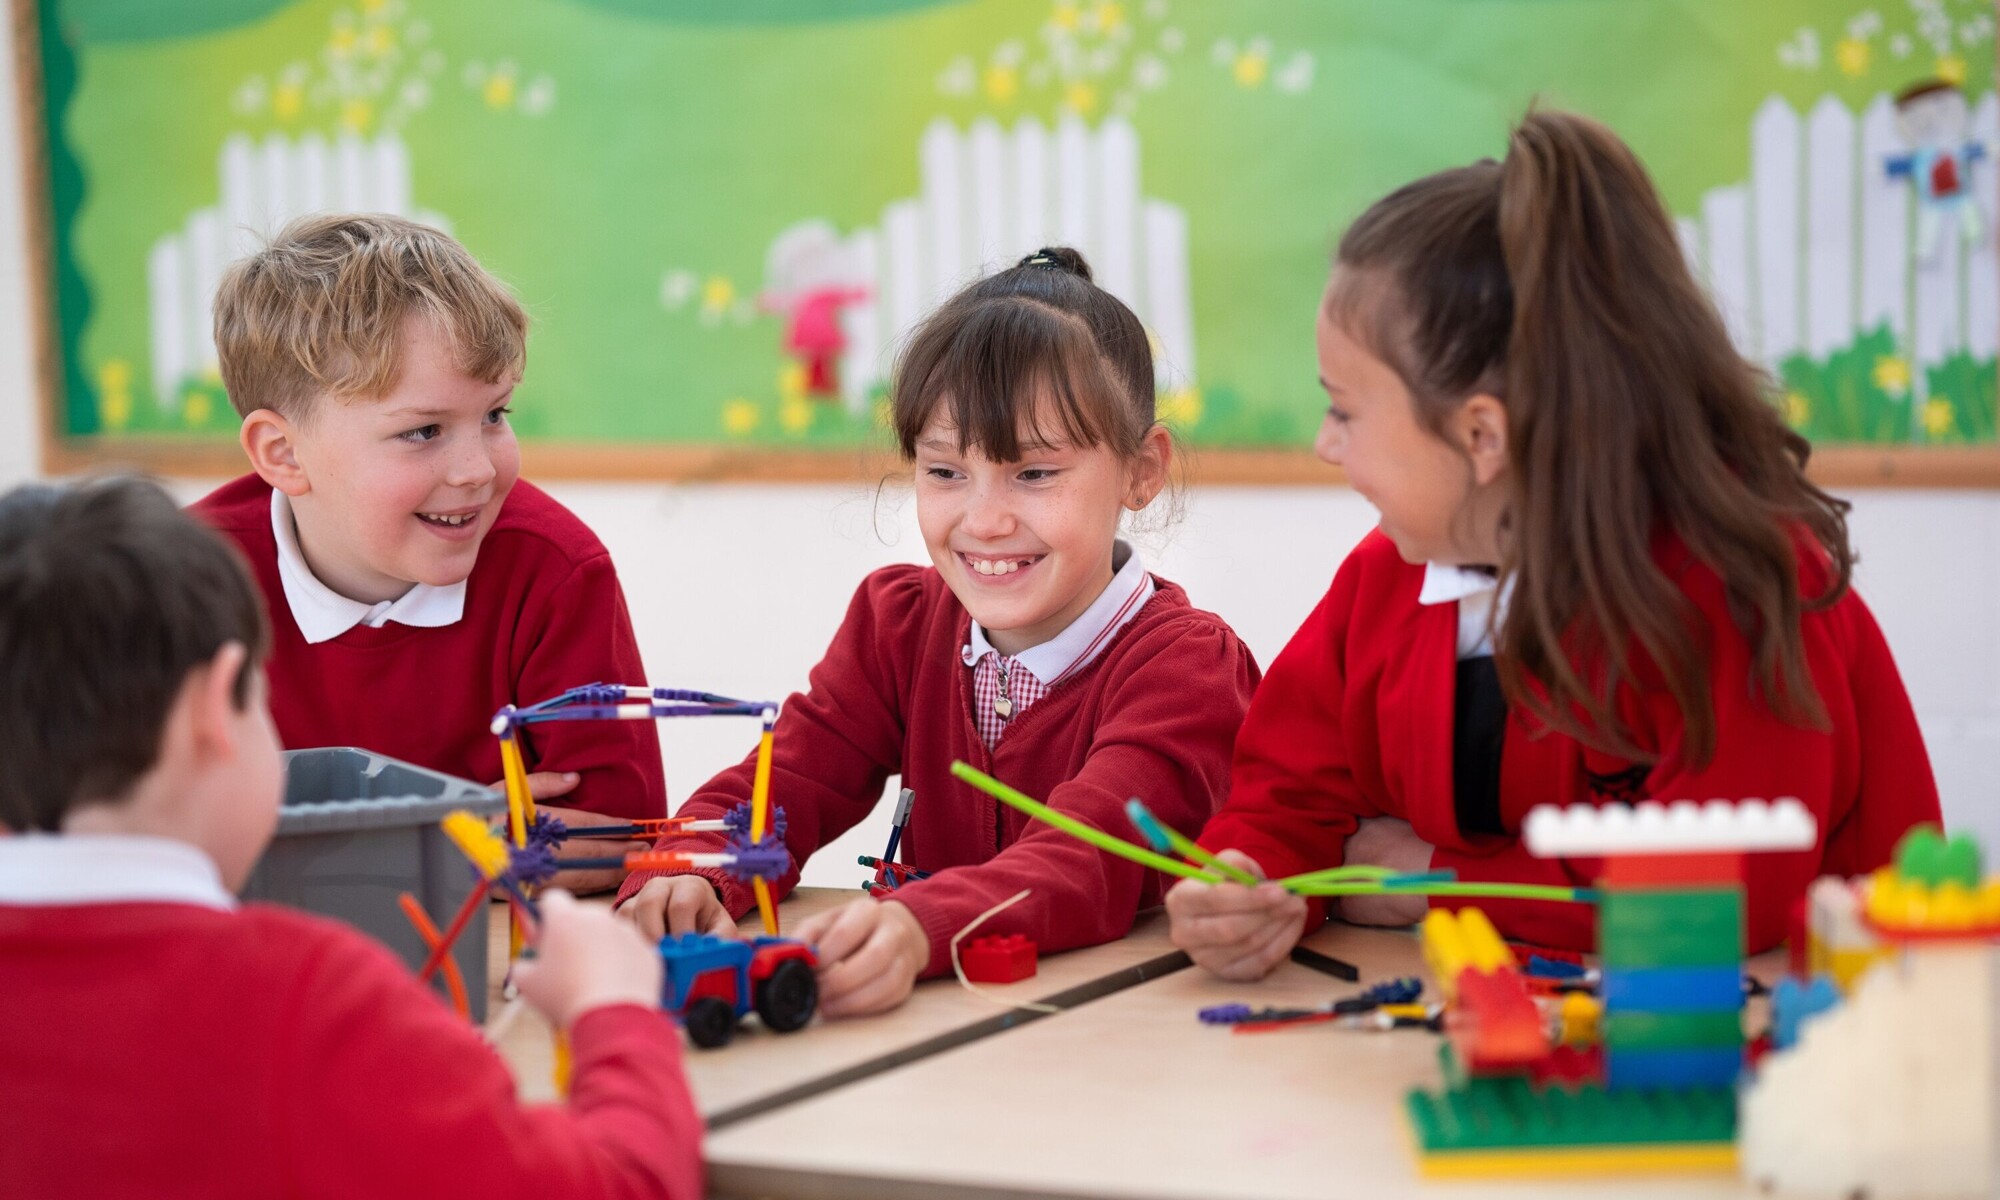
(1630, 415)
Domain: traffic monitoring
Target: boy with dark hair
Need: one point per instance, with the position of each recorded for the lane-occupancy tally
(161, 1041)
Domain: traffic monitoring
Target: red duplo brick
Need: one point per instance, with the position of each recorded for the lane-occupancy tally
(998, 959)
(1671, 870)
(1496, 1026)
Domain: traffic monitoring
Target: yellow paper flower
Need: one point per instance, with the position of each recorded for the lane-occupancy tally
(1852, 54)
(796, 414)
(1066, 15)
(1080, 98)
(1251, 69)
(381, 40)
(1892, 374)
(740, 416)
(717, 294)
(114, 376)
(499, 91)
(1796, 409)
(357, 115)
(198, 408)
(792, 383)
(1002, 83)
(1951, 69)
(1110, 15)
(1180, 408)
(1939, 417)
(342, 43)
(114, 409)
(287, 101)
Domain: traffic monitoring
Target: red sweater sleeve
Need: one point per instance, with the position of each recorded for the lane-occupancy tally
(577, 630)
(385, 1090)
(834, 746)
(1169, 716)
(1757, 754)
(1897, 787)
(1292, 796)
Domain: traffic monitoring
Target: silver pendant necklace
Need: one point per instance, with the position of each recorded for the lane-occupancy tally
(1002, 706)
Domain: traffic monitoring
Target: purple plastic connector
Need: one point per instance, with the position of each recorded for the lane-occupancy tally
(767, 859)
(531, 864)
(738, 820)
(1225, 1014)
(595, 693)
(548, 830)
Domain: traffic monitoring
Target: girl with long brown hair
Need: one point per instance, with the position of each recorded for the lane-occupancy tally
(1602, 574)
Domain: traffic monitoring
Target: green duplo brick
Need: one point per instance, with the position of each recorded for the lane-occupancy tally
(1678, 927)
(1664, 1031)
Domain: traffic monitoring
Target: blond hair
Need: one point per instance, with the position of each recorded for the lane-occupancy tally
(322, 309)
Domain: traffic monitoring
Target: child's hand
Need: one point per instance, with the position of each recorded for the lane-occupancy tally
(545, 785)
(677, 904)
(1234, 931)
(870, 954)
(1386, 842)
(584, 959)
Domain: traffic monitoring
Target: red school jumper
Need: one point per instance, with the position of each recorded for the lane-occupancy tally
(543, 614)
(1153, 715)
(1355, 721)
(163, 1050)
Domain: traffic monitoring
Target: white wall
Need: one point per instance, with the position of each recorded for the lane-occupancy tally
(738, 588)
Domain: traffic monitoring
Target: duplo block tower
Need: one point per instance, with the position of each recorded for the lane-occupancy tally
(1670, 928)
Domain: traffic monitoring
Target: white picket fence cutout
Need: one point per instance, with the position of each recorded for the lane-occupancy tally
(263, 185)
(989, 195)
(1814, 248)
(1817, 246)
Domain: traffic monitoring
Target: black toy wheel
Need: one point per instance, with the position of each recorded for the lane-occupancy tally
(709, 1022)
(787, 999)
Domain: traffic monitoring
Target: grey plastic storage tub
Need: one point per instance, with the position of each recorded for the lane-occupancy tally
(357, 830)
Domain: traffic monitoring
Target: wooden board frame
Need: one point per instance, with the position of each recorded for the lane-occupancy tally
(1838, 466)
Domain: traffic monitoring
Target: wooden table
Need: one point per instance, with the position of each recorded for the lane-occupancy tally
(1123, 1093)
(1131, 1096)
(761, 1071)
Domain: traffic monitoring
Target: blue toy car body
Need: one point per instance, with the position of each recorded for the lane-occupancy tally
(712, 982)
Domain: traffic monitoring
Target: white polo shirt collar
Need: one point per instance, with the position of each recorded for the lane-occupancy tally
(323, 614)
(92, 868)
(1086, 637)
(1476, 593)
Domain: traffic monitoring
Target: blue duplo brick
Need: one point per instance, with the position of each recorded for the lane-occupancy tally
(1698, 1067)
(1673, 989)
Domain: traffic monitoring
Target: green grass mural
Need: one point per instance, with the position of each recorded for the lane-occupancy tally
(668, 185)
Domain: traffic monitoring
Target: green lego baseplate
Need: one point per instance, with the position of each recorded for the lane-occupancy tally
(1508, 1112)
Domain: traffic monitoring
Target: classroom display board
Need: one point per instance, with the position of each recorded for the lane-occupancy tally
(722, 215)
